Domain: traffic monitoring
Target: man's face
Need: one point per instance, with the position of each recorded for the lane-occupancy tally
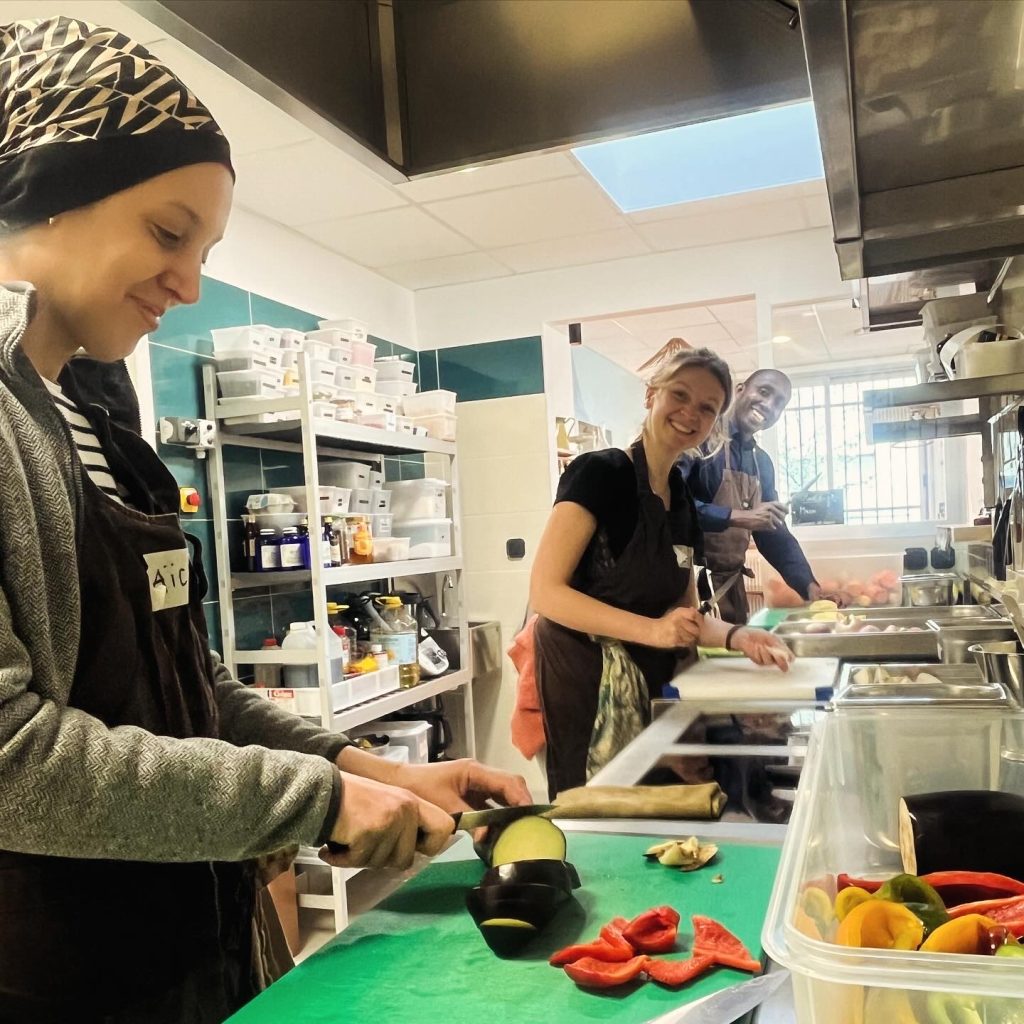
(760, 402)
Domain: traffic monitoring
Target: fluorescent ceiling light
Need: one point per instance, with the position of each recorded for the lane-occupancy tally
(763, 149)
(781, 339)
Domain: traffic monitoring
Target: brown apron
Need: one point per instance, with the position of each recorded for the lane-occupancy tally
(115, 941)
(725, 553)
(646, 579)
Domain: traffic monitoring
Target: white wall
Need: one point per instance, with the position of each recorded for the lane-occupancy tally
(786, 268)
(264, 257)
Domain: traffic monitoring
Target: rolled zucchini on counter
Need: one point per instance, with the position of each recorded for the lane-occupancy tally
(962, 830)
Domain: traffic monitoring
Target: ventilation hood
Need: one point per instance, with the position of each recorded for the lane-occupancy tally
(919, 105)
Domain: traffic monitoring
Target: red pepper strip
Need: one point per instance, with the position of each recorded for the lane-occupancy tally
(716, 941)
(955, 887)
(677, 972)
(653, 931)
(612, 934)
(599, 949)
(1008, 912)
(591, 973)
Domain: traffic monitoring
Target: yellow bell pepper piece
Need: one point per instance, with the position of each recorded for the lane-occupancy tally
(852, 896)
(816, 904)
(891, 1005)
(880, 924)
(961, 935)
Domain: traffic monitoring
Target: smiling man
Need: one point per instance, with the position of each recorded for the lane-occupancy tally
(734, 489)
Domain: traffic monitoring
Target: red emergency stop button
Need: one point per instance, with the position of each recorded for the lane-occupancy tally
(189, 499)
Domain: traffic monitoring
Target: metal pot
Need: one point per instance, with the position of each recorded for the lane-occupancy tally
(1002, 661)
(929, 590)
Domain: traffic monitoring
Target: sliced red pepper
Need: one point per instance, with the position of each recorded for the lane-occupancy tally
(592, 973)
(955, 887)
(653, 931)
(596, 950)
(677, 972)
(1008, 912)
(716, 941)
(612, 933)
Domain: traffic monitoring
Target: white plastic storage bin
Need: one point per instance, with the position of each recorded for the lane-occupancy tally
(322, 371)
(232, 339)
(323, 410)
(354, 330)
(430, 403)
(358, 688)
(378, 420)
(418, 499)
(333, 500)
(388, 404)
(249, 359)
(390, 549)
(376, 480)
(366, 378)
(428, 538)
(394, 368)
(270, 502)
(363, 353)
(846, 819)
(403, 424)
(381, 500)
(291, 339)
(441, 426)
(395, 388)
(413, 735)
(250, 383)
(345, 474)
(380, 525)
(317, 350)
(345, 376)
(361, 501)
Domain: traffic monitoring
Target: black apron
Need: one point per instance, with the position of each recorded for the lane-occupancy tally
(725, 552)
(646, 579)
(122, 942)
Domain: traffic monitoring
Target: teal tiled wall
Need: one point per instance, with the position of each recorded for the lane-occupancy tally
(492, 369)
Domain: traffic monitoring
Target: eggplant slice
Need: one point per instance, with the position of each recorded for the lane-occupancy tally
(962, 830)
(557, 873)
(510, 914)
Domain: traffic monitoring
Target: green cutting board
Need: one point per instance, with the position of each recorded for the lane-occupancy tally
(769, 618)
(418, 956)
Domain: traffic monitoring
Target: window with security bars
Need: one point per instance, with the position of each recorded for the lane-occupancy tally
(823, 445)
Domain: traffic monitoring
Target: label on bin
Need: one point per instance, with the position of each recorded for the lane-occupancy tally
(401, 648)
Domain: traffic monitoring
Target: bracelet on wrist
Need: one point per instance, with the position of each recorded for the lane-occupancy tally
(728, 637)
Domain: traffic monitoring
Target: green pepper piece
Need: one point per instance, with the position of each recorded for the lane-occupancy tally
(949, 1008)
(1004, 1011)
(918, 897)
(1011, 949)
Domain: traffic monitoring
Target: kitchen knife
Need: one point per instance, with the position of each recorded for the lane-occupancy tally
(712, 602)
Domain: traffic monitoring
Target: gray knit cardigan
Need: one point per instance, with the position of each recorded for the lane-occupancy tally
(69, 785)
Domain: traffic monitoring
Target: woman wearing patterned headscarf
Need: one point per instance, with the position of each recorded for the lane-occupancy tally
(139, 780)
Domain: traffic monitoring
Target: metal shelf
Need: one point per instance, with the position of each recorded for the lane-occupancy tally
(379, 707)
(926, 429)
(329, 434)
(946, 391)
(346, 574)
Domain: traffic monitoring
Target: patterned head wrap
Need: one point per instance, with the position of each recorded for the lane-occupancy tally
(86, 112)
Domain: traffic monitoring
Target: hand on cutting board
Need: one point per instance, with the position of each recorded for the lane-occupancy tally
(762, 648)
(463, 785)
(383, 826)
(678, 627)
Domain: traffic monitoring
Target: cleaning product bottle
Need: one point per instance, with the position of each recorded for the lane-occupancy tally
(401, 640)
(300, 636)
(268, 675)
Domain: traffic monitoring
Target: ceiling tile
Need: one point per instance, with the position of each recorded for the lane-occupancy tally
(726, 204)
(728, 226)
(817, 211)
(678, 316)
(309, 183)
(740, 332)
(569, 252)
(248, 120)
(389, 237)
(705, 334)
(530, 213)
(470, 266)
(603, 328)
(744, 311)
(514, 171)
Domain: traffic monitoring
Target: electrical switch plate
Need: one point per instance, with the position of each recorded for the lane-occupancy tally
(192, 433)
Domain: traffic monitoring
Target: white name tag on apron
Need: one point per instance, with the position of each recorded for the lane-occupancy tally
(684, 556)
(168, 578)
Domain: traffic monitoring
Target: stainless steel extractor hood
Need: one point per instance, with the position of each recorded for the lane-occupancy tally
(920, 105)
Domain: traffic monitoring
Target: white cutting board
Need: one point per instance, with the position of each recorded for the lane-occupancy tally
(740, 679)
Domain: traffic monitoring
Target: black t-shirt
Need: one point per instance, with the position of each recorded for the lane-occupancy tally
(604, 483)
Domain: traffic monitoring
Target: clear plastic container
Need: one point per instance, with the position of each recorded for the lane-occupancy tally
(345, 474)
(318, 350)
(366, 378)
(271, 502)
(322, 371)
(291, 339)
(429, 403)
(390, 549)
(442, 426)
(388, 404)
(414, 735)
(333, 500)
(380, 526)
(380, 500)
(249, 359)
(354, 330)
(250, 383)
(428, 538)
(361, 501)
(248, 336)
(394, 368)
(418, 499)
(301, 636)
(403, 424)
(845, 819)
(323, 410)
(345, 376)
(363, 352)
(376, 480)
(378, 420)
(395, 388)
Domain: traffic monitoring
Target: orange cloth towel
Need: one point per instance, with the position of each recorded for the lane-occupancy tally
(527, 720)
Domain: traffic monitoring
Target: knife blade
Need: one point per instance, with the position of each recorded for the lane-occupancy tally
(712, 602)
(466, 821)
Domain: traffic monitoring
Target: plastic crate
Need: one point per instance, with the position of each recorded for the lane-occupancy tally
(418, 499)
(250, 383)
(248, 336)
(248, 359)
(354, 330)
(428, 538)
(441, 426)
(845, 819)
(345, 474)
(394, 368)
(363, 353)
(429, 403)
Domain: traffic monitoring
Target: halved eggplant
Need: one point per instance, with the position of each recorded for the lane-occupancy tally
(510, 914)
(530, 838)
(965, 830)
(558, 873)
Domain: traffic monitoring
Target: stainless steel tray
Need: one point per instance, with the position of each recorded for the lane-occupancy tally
(955, 636)
(960, 685)
(908, 646)
(887, 611)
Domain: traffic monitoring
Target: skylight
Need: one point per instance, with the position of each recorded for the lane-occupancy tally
(763, 149)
